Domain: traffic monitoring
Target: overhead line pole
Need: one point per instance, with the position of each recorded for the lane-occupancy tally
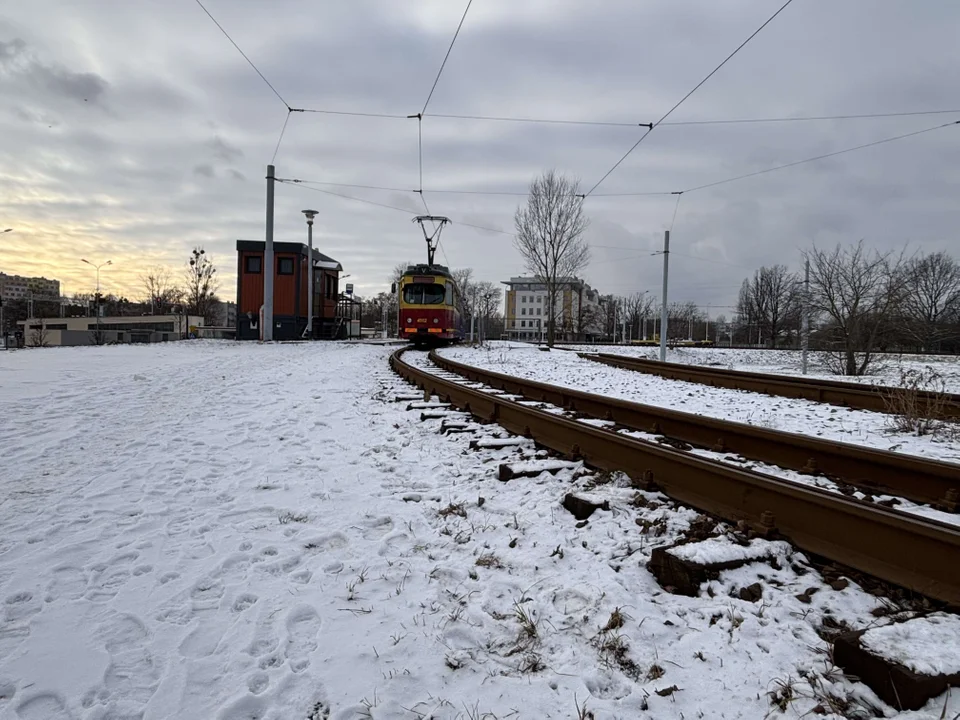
(663, 306)
(267, 330)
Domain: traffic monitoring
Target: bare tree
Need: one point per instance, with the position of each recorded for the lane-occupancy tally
(638, 307)
(549, 236)
(39, 335)
(931, 310)
(201, 284)
(859, 293)
(160, 290)
(769, 300)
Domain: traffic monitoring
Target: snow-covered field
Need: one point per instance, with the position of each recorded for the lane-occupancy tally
(884, 371)
(805, 417)
(228, 531)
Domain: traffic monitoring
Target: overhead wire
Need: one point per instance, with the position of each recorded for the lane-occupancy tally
(249, 61)
(822, 157)
(685, 97)
(283, 130)
(608, 123)
(446, 57)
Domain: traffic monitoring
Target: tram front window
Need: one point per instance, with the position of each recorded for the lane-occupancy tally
(423, 294)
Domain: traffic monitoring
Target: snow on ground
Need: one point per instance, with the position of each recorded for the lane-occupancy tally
(227, 531)
(884, 371)
(804, 417)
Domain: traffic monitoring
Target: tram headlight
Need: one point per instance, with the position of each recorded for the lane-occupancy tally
(409, 320)
(436, 320)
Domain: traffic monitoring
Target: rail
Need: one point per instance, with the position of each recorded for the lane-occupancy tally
(876, 471)
(920, 555)
(834, 392)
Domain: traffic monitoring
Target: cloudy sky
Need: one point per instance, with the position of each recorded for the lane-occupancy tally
(132, 131)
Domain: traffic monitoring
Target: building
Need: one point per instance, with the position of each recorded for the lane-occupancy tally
(577, 315)
(57, 332)
(18, 287)
(289, 292)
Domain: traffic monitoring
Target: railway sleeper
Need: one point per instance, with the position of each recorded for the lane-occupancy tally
(900, 686)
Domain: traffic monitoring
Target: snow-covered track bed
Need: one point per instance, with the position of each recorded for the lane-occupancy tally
(891, 545)
(863, 397)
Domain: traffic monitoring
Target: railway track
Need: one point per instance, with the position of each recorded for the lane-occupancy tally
(918, 554)
(861, 397)
(874, 471)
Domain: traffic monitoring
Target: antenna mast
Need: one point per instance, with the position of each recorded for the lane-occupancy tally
(432, 238)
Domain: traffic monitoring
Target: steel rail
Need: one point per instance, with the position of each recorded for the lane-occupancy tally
(876, 471)
(898, 548)
(834, 392)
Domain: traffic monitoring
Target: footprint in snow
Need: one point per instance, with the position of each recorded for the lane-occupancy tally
(303, 625)
(45, 706)
(68, 582)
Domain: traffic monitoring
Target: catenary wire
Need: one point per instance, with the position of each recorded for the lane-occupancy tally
(685, 97)
(823, 157)
(280, 139)
(667, 123)
(447, 56)
(256, 69)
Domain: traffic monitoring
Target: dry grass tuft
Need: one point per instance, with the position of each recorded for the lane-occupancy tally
(489, 560)
(453, 509)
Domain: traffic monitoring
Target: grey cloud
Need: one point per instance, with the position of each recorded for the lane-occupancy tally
(79, 86)
(222, 150)
(193, 109)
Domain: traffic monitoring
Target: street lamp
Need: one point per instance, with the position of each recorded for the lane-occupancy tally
(103, 264)
(308, 330)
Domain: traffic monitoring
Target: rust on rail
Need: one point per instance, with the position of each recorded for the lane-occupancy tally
(874, 471)
(834, 392)
(898, 548)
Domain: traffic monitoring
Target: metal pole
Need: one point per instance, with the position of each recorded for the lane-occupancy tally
(663, 307)
(268, 268)
(309, 328)
(806, 318)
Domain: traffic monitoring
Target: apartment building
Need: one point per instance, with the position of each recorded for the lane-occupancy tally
(576, 311)
(19, 287)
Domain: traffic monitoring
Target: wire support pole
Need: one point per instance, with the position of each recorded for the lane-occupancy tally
(266, 332)
(663, 303)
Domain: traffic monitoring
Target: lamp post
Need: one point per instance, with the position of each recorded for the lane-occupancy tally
(308, 330)
(103, 264)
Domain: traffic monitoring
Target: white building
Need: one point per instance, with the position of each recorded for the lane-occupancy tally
(526, 313)
(55, 332)
(19, 287)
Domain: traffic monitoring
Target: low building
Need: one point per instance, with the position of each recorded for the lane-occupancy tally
(576, 313)
(19, 287)
(58, 332)
(290, 280)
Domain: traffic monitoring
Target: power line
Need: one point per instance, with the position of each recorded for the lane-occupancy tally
(227, 35)
(280, 139)
(406, 211)
(684, 98)
(350, 197)
(822, 157)
(607, 123)
(447, 56)
(297, 181)
(810, 118)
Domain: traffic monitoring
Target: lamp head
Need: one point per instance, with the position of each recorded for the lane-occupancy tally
(311, 214)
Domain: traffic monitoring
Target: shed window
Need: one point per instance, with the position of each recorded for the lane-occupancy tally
(285, 266)
(253, 264)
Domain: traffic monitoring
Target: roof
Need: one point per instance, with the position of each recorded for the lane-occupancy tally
(288, 247)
